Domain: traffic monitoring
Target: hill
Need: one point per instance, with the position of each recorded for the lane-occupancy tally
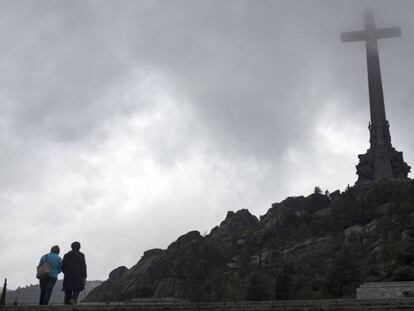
(30, 294)
(320, 246)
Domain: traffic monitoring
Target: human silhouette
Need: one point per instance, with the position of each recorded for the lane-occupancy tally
(48, 281)
(74, 269)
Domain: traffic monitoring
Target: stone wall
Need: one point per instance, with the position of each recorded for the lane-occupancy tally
(385, 290)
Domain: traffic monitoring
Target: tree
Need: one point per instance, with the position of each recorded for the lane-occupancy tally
(283, 283)
(317, 190)
(3, 294)
(344, 276)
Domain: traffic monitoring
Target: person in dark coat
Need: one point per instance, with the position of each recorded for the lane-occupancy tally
(74, 269)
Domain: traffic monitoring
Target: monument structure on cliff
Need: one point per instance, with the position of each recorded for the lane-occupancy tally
(381, 161)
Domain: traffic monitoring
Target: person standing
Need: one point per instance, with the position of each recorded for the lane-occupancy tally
(48, 282)
(74, 269)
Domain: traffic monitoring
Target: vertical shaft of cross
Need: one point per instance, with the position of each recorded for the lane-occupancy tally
(381, 161)
(379, 124)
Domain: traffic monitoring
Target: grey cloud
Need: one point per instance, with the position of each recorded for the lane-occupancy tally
(233, 92)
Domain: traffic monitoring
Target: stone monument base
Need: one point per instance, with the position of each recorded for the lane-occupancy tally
(381, 163)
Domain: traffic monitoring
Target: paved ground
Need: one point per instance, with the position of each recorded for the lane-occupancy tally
(299, 305)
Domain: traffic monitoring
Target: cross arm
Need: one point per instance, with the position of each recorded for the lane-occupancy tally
(390, 32)
(354, 36)
(380, 33)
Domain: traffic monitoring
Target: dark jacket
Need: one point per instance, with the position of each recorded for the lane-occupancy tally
(74, 268)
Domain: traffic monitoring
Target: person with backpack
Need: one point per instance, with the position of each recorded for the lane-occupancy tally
(74, 269)
(49, 267)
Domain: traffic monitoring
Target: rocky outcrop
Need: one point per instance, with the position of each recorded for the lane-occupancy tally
(234, 232)
(318, 246)
(109, 287)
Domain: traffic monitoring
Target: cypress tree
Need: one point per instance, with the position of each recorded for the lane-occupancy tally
(3, 294)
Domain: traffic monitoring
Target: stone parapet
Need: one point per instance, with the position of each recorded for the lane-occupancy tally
(298, 305)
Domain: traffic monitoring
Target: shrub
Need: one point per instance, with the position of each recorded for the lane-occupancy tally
(259, 287)
(404, 273)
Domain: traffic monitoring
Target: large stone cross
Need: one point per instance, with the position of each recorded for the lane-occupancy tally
(376, 97)
(381, 161)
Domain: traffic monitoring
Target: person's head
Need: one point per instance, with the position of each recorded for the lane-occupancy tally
(75, 246)
(55, 249)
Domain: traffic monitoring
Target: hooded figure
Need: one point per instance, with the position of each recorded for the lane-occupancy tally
(74, 269)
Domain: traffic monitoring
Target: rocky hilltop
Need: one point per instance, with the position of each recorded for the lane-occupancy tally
(320, 246)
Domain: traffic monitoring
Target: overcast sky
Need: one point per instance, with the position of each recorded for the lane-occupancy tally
(124, 124)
